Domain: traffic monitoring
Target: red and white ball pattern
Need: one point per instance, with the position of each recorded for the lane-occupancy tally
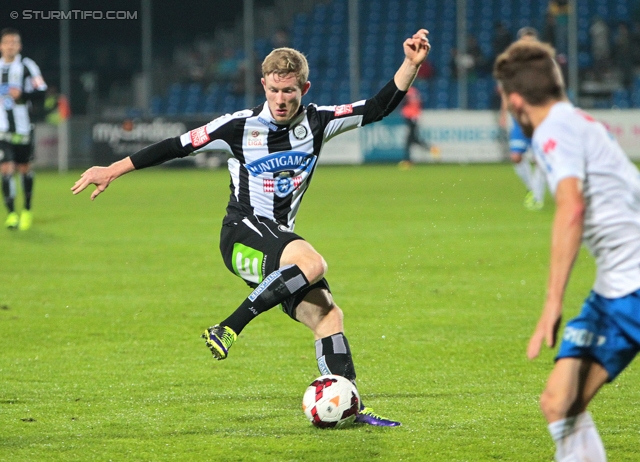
(331, 401)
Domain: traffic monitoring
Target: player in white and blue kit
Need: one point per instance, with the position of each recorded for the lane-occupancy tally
(519, 144)
(597, 194)
(532, 177)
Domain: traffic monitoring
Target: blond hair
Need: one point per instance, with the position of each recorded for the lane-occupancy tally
(285, 61)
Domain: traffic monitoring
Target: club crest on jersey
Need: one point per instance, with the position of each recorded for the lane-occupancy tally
(295, 161)
(300, 132)
(255, 138)
(199, 136)
(343, 110)
(8, 102)
(281, 186)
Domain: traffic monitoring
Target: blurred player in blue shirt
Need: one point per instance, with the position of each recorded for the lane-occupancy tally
(519, 144)
(530, 175)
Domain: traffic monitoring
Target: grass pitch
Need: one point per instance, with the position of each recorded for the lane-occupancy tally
(440, 271)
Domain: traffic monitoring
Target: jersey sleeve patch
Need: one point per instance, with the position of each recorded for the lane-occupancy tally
(344, 109)
(199, 136)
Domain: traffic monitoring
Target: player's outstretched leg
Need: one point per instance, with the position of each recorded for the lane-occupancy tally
(273, 290)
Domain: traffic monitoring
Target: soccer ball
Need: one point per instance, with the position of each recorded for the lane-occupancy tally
(331, 401)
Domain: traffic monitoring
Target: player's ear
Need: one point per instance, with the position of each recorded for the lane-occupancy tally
(515, 100)
(264, 83)
(305, 87)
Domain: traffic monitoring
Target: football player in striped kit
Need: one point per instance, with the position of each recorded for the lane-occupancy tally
(21, 84)
(597, 193)
(273, 151)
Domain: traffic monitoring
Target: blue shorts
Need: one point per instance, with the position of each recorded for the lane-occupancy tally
(607, 331)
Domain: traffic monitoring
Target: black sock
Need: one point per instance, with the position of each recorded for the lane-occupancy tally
(8, 192)
(273, 290)
(27, 189)
(334, 356)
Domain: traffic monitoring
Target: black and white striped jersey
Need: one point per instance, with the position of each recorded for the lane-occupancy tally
(271, 165)
(24, 74)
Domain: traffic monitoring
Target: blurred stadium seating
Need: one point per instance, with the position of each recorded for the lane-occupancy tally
(322, 35)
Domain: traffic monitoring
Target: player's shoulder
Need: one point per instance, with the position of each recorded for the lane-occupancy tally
(562, 121)
(28, 62)
(30, 66)
(235, 117)
(244, 114)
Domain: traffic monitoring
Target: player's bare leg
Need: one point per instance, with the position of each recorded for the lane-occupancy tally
(320, 314)
(570, 388)
(325, 319)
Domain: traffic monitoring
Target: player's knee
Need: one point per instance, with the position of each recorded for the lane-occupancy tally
(516, 159)
(314, 267)
(335, 313)
(553, 405)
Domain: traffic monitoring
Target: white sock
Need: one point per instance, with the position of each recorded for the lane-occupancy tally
(577, 439)
(539, 184)
(523, 169)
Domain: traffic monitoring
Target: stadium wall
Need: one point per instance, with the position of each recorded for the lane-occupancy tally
(462, 136)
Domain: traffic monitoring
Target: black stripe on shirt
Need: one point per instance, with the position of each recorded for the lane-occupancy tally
(278, 141)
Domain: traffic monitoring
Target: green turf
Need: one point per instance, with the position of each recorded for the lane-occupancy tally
(440, 271)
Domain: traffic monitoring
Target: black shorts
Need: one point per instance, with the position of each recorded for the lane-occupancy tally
(251, 248)
(18, 153)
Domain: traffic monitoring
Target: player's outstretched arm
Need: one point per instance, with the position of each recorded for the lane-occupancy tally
(102, 176)
(566, 237)
(416, 50)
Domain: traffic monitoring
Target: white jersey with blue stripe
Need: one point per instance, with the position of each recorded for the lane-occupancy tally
(570, 143)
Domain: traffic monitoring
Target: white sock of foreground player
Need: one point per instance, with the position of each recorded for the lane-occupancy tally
(523, 169)
(539, 184)
(577, 439)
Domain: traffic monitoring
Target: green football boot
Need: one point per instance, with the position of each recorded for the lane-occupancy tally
(219, 339)
(12, 221)
(26, 220)
(531, 203)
